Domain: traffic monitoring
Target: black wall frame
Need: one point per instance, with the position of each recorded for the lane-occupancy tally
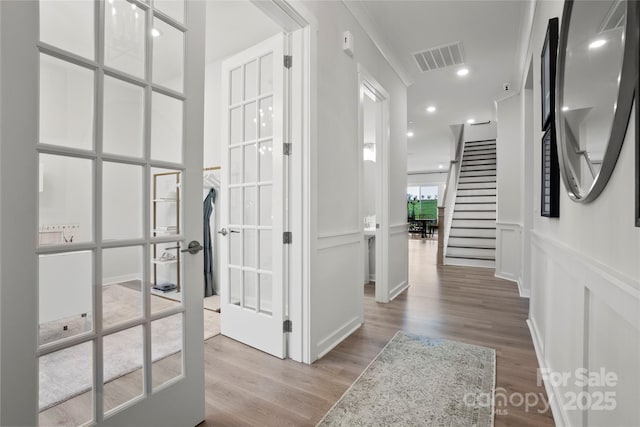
(550, 176)
(548, 75)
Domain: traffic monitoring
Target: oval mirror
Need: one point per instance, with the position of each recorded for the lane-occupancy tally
(594, 91)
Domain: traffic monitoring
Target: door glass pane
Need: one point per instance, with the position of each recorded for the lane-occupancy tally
(236, 86)
(66, 104)
(266, 74)
(250, 121)
(123, 118)
(66, 386)
(166, 349)
(250, 289)
(65, 200)
(165, 201)
(173, 8)
(68, 25)
(235, 206)
(65, 284)
(235, 249)
(250, 204)
(235, 125)
(250, 80)
(265, 250)
(168, 55)
(124, 37)
(121, 201)
(121, 285)
(123, 375)
(265, 205)
(235, 286)
(166, 128)
(166, 276)
(266, 296)
(235, 166)
(266, 117)
(250, 166)
(266, 156)
(250, 248)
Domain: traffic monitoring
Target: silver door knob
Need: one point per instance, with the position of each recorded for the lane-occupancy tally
(193, 248)
(223, 231)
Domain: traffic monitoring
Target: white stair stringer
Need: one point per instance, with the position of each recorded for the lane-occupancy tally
(472, 236)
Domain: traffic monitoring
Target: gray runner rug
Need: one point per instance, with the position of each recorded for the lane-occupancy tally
(421, 381)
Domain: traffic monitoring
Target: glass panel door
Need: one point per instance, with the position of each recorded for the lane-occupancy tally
(252, 253)
(114, 287)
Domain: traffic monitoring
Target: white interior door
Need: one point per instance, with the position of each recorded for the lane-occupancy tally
(253, 216)
(110, 96)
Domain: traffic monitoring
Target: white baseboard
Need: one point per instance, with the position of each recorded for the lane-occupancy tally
(559, 416)
(120, 279)
(517, 281)
(397, 290)
(335, 338)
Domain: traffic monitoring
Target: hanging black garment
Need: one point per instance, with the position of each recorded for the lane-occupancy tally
(209, 202)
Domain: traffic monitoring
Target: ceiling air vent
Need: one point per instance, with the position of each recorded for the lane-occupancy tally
(615, 17)
(439, 57)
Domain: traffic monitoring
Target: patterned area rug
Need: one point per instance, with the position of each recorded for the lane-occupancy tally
(420, 381)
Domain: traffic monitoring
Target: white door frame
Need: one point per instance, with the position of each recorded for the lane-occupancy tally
(19, 61)
(366, 80)
(302, 25)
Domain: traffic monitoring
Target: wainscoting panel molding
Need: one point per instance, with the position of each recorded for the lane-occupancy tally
(585, 315)
(508, 253)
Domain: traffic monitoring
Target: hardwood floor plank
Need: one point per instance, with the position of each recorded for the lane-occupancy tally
(248, 387)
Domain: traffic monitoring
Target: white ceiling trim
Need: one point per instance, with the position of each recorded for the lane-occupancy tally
(367, 24)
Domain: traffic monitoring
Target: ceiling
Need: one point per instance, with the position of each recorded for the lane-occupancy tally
(489, 32)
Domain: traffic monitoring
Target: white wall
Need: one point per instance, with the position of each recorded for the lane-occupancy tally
(337, 245)
(479, 132)
(510, 179)
(585, 287)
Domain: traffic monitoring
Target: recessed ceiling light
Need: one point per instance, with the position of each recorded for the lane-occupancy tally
(463, 71)
(565, 108)
(410, 122)
(440, 166)
(471, 121)
(431, 109)
(155, 32)
(597, 43)
(409, 134)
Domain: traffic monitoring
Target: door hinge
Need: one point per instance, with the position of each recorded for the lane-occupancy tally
(288, 61)
(287, 326)
(286, 148)
(286, 237)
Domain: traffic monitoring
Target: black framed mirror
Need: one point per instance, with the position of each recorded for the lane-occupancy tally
(596, 79)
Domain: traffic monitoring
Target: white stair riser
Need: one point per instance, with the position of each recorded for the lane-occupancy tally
(474, 153)
(472, 232)
(470, 262)
(476, 207)
(465, 179)
(480, 157)
(471, 252)
(477, 192)
(468, 241)
(483, 223)
(473, 215)
(478, 167)
(486, 173)
(479, 162)
(480, 142)
(470, 185)
(476, 199)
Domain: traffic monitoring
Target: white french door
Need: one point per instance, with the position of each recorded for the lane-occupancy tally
(110, 104)
(253, 219)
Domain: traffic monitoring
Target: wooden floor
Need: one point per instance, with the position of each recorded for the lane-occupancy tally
(247, 387)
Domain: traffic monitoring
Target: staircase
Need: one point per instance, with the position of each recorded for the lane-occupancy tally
(472, 238)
